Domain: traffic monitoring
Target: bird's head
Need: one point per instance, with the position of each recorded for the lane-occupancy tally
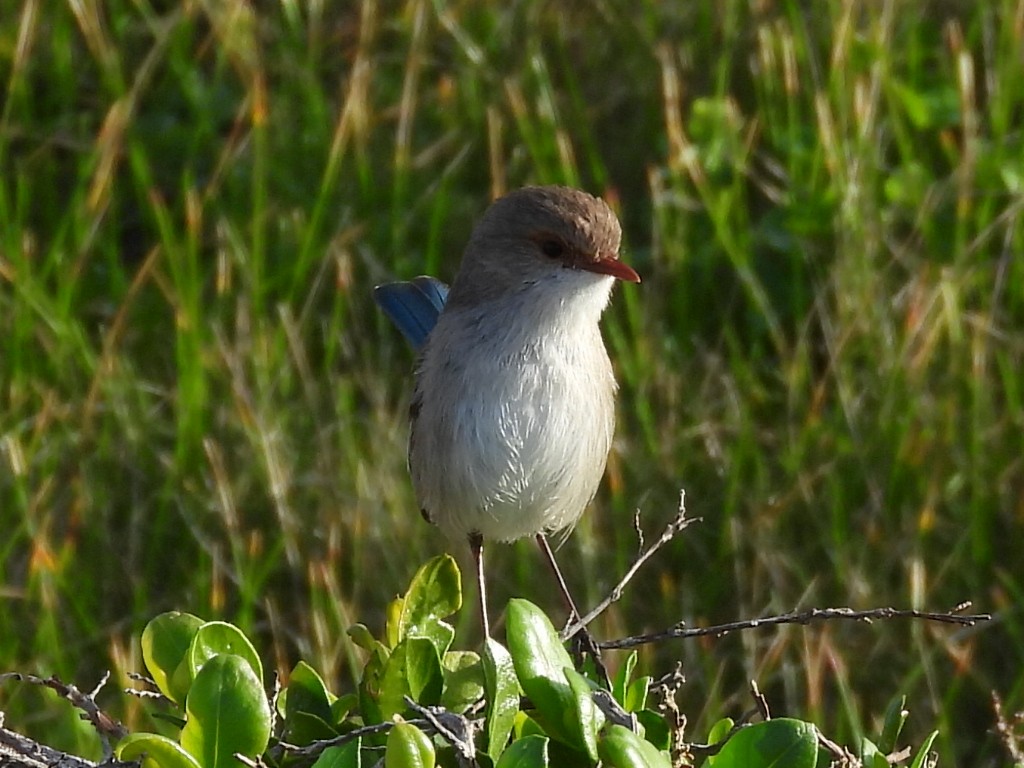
(536, 236)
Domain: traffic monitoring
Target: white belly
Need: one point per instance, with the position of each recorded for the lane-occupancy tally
(511, 439)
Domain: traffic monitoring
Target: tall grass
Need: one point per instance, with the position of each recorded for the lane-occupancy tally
(200, 408)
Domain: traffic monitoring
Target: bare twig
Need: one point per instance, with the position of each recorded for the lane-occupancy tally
(1009, 730)
(453, 728)
(680, 631)
(843, 756)
(613, 711)
(678, 523)
(760, 701)
(17, 751)
(314, 749)
(456, 729)
(149, 692)
(106, 726)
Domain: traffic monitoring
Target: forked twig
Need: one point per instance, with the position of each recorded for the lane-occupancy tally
(677, 524)
(106, 726)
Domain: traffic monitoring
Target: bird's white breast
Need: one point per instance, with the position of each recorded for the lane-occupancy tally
(514, 411)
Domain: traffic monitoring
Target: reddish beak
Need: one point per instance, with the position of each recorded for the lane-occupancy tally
(609, 265)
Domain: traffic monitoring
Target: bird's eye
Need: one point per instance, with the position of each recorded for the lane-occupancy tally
(552, 248)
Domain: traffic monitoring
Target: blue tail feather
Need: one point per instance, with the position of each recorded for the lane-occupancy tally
(413, 306)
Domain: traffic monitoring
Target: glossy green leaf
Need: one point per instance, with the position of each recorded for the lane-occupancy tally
(408, 747)
(502, 696)
(564, 706)
(393, 622)
(165, 643)
(540, 662)
(219, 637)
(227, 712)
(435, 592)
(619, 747)
(779, 743)
(720, 730)
(463, 680)
(528, 752)
(346, 756)
(154, 751)
(585, 719)
(413, 670)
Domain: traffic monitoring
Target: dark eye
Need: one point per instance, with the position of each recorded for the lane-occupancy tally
(553, 249)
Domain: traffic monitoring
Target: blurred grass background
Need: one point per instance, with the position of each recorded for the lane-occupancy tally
(200, 408)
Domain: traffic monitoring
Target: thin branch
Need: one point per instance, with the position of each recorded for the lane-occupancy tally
(680, 631)
(760, 701)
(1009, 730)
(678, 523)
(453, 728)
(314, 749)
(106, 726)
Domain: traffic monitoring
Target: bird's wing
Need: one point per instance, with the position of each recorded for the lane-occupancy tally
(413, 306)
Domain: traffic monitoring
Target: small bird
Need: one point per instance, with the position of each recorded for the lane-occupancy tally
(513, 411)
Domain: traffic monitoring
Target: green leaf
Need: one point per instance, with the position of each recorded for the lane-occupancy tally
(584, 719)
(393, 622)
(303, 728)
(871, 756)
(307, 706)
(307, 692)
(370, 684)
(528, 752)
(619, 747)
(408, 747)
(154, 751)
(227, 712)
(562, 696)
(533, 642)
(655, 729)
(342, 706)
(362, 637)
(435, 592)
(636, 694)
(413, 670)
(463, 680)
(345, 756)
(779, 743)
(922, 753)
(219, 637)
(502, 696)
(165, 643)
(621, 681)
(895, 718)
(720, 730)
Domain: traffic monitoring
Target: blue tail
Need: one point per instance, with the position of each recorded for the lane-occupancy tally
(413, 306)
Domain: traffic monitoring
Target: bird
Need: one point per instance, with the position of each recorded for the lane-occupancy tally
(513, 410)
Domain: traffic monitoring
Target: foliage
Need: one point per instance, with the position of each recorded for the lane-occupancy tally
(556, 721)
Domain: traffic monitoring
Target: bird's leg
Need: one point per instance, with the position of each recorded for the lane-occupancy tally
(476, 544)
(574, 614)
(583, 640)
